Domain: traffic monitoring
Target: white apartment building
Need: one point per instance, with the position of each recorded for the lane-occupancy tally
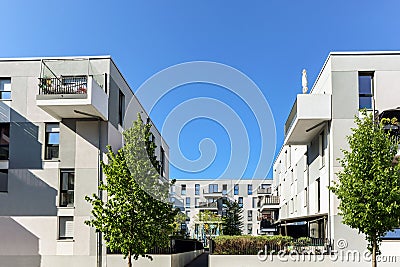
(56, 117)
(194, 196)
(315, 133)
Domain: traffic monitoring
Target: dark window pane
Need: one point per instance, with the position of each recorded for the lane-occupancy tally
(365, 102)
(67, 178)
(3, 180)
(365, 84)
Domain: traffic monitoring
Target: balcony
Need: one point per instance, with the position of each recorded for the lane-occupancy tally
(72, 97)
(268, 203)
(307, 117)
(212, 193)
(208, 206)
(263, 191)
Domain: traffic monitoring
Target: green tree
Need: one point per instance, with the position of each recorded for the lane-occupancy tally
(368, 186)
(232, 221)
(135, 217)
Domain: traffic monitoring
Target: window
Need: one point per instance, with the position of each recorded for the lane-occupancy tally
(196, 202)
(4, 140)
(66, 227)
(249, 189)
(67, 178)
(249, 215)
(322, 145)
(305, 197)
(254, 203)
(224, 189)
(3, 181)
(183, 189)
(52, 140)
(197, 189)
(365, 89)
(213, 188)
(240, 202)
(249, 229)
(162, 161)
(121, 108)
(187, 202)
(236, 189)
(5, 88)
(187, 215)
(318, 185)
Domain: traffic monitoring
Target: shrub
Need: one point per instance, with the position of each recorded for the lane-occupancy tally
(250, 245)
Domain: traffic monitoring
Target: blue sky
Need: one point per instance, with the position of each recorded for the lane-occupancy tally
(269, 41)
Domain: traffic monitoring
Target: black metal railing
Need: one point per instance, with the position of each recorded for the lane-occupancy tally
(175, 246)
(63, 85)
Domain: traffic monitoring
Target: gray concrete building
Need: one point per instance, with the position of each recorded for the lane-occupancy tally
(315, 134)
(194, 196)
(56, 117)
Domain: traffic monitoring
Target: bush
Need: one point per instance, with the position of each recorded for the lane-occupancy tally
(250, 245)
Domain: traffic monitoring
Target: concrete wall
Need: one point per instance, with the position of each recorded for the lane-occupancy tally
(299, 261)
(171, 260)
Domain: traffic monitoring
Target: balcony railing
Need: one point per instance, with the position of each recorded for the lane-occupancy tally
(264, 190)
(269, 200)
(63, 85)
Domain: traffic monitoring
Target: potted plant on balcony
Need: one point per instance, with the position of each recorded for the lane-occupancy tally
(390, 124)
(45, 85)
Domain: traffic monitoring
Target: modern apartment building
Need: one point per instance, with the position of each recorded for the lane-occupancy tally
(194, 196)
(315, 133)
(56, 117)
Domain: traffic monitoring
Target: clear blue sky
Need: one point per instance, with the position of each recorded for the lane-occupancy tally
(269, 41)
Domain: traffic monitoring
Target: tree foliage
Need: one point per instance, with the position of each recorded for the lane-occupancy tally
(369, 186)
(232, 222)
(133, 219)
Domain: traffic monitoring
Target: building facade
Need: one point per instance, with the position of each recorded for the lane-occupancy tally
(57, 116)
(195, 196)
(315, 134)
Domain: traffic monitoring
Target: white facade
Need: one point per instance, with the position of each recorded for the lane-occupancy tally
(56, 117)
(196, 195)
(315, 133)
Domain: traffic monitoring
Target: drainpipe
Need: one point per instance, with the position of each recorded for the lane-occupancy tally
(329, 184)
(99, 181)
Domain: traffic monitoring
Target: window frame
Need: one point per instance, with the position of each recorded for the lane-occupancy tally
(65, 237)
(3, 81)
(250, 189)
(240, 202)
(67, 191)
(236, 189)
(183, 189)
(370, 74)
(5, 189)
(121, 108)
(47, 154)
(197, 189)
(5, 147)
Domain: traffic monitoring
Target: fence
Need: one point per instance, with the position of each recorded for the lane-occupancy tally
(175, 246)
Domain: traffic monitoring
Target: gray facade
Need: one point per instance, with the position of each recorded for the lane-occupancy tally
(54, 141)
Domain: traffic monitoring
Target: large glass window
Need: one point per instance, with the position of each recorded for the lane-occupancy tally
(236, 189)
(365, 89)
(197, 189)
(254, 204)
(67, 178)
(249, 189)
(5, 88)
(121, 108)
(240, 202)
(3, 181)
(196, 202)
(66, 227)
(249, 215)
(183, 189)
(187, 202)
(52, 141)
(249, 229)
(4, 140)
(224, 189)
(212, 188)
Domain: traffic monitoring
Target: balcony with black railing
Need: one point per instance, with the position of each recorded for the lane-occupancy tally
(76, 96)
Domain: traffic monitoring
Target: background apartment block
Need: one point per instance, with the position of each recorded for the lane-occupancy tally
(56, 117)
(194, 196)
(315, 133)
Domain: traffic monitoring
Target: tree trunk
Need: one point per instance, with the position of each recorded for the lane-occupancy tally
(374, 253)
(129, 259)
